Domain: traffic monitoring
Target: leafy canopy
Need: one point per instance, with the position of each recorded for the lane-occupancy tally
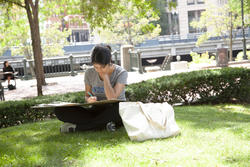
(128, 26)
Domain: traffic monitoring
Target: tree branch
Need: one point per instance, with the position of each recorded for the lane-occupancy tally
(29, 13)
(32, 5)
(13, 2)
(36, 4)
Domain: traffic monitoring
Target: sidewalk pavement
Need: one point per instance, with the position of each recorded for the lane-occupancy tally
(66, 84)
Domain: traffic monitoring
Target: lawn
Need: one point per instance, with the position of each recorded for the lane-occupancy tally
(211, 135)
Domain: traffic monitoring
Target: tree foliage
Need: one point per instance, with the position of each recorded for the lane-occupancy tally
(236, 6)
(13, 26)
(165, 15)
(221, 21)
(128, 26)
(53, 41)
(16, 33)
(161, 6)
(99, 12)
(217, 21)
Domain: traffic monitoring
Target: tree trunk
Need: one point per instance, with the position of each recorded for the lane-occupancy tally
(231, 46)
(170, 23)
(231, 39)
(29, 57)
(32, 68)
(129, 34)
(32, 13)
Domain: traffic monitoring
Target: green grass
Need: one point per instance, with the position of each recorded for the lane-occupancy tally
(216, 135)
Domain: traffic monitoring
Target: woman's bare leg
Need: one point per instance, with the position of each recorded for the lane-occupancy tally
(8, 78)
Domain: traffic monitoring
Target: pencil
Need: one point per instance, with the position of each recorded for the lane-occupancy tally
(90, 94)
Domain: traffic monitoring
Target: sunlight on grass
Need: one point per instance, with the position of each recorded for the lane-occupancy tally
(236, 108)
(210, 136)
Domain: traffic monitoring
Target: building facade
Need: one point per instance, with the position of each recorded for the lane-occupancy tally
(186, 11)
(78, 25)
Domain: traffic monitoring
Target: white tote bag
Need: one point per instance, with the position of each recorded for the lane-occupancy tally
(148, 121)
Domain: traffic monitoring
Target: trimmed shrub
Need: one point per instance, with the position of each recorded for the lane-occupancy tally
(239, 56)
(203, 58)
(19, 112)
(205, 86)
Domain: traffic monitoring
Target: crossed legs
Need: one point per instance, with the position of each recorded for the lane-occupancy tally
(93, 118)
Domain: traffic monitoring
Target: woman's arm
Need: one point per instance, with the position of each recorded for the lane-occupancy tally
(11, 69)
(88, 88)
(110, 92)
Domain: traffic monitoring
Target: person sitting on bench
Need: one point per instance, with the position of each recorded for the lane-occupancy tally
(104, 81)
(8, 72)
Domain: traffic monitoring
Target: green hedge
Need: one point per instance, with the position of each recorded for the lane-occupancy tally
(18, 112)
(206, 86)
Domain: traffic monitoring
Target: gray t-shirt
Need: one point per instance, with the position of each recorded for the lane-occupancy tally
(92, 78)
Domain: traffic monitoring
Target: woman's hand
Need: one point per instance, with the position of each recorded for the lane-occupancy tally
(92, 99)
(104, 72)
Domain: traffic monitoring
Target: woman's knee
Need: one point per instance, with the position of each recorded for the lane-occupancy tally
(58, 113)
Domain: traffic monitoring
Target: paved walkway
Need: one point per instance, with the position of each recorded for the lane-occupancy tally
(60, 85)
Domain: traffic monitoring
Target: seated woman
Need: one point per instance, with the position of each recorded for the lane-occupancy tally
(105, 81)
(9, 70)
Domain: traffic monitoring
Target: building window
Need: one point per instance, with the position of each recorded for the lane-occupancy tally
(172, 24)
(175, 1)
(190, 2)
(222, 2)
(79, 36)
(200, 1)
(194, 16)
(191, 18)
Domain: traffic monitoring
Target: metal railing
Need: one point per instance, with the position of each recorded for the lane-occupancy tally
(54, 67)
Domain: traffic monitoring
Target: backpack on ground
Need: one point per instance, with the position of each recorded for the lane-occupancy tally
(11, 87)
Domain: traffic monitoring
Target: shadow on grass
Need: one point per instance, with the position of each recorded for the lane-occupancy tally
(44, 145)
(212, 117)
(70, 146)
(242, 160)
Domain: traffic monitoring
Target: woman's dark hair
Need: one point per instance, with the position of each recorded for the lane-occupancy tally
(4, 64)
(101, 55)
